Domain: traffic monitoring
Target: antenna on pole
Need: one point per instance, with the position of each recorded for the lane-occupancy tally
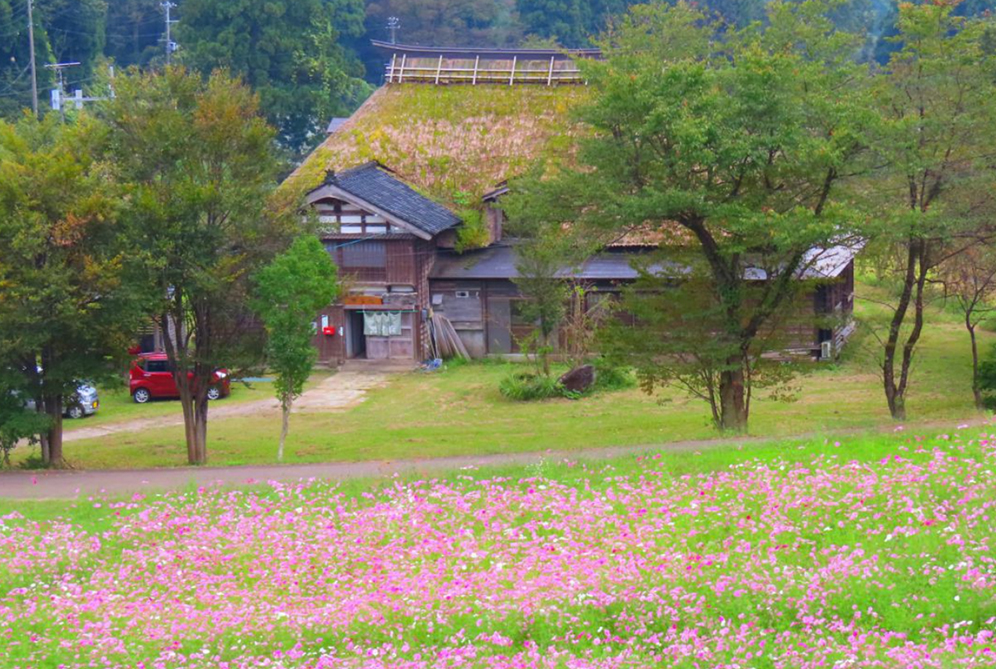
(393, 24)
(171, 46)
(34, 71)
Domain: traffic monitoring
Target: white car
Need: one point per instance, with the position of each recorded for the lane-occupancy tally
(84, 402)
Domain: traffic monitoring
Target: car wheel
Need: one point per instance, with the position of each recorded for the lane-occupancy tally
(75, 412)
(213, 393)
(141, 396)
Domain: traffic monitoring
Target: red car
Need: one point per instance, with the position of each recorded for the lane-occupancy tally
(150, 378)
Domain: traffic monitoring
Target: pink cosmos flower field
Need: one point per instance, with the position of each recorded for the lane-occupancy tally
(804, 558)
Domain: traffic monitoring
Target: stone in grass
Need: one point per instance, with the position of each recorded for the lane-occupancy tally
(579, 380)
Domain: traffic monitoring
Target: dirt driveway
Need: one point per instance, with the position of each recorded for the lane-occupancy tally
(336, 393)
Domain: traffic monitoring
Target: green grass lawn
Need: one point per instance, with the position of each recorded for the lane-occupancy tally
(460, 411)
(116, 405)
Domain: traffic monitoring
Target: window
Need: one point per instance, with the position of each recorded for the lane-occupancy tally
(156, 366)
(366, 261)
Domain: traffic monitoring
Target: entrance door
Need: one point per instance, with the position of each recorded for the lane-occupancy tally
(499, 325)
(356, 343)
(396, 347)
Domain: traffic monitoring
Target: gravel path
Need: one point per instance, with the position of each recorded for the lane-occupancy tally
(47, 484)
(71, 484)
(336, 393)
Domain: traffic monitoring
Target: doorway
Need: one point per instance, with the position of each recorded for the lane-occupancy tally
(356, 341)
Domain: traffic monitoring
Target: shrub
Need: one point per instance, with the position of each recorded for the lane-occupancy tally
(527, 387)
(612, 377)
(987, 380)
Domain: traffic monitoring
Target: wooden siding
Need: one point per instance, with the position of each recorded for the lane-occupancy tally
(331, 349)
(485, 315)
(339, 217)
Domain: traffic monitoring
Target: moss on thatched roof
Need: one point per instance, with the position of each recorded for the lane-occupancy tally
(447, 140)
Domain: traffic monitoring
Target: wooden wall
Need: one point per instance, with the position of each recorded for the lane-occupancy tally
(484, 314)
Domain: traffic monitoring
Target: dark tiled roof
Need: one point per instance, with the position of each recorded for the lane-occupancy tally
(375, 184)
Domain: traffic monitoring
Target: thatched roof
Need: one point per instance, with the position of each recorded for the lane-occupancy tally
(447, 140)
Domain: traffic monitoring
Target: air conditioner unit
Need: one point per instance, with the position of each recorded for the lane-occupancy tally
(826, 350)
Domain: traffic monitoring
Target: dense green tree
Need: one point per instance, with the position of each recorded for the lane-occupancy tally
(290, 291)
(197, 160)
(17, 422)
(289, 52)
(65, 306)
(135, 30)
(969, 280)
(729, 144)
(75, 29)
(64, 32)
(937, 130)
(567, 21)
(447, 22)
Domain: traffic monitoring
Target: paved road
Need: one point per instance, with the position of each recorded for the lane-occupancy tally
(71, 484)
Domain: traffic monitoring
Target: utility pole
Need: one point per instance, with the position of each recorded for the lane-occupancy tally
(34, 72)
(393, 23)
(59, 94)
(170, 44)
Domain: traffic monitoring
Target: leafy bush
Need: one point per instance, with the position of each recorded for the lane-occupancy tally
(987, 380)
(527, 387)
(532, 386)
(473, 233)
(612, 377)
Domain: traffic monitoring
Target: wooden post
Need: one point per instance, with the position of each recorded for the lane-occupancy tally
(401, 75)
(439, 69)
(477, 61)
(549, 77)
(511, 79)
(390, 76)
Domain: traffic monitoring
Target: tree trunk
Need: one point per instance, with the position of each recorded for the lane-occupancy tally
(284, 428)
(732, 397)
(53, 407)
(189, 433)
(976, 389)
(895, 401)
(200, 425)
(43, 443)
(914, 280)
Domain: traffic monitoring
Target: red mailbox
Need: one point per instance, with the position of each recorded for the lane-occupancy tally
(328, 331)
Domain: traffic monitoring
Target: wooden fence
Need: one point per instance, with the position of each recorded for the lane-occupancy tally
(442, 70)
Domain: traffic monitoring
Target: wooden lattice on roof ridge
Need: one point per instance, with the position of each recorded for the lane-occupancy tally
(455, 65)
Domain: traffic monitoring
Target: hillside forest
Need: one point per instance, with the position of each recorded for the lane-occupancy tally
(311, 60)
